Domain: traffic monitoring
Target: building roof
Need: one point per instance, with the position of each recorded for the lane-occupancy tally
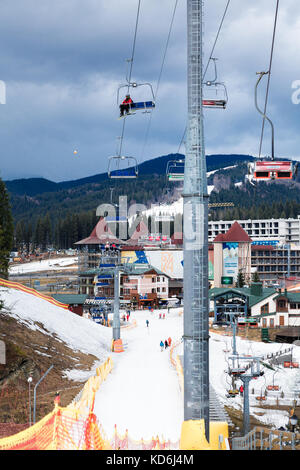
(100, 234)
(177, 238)
(140, 231)
(70, 299)
(293, 297)
(244, 291)
(236, 233)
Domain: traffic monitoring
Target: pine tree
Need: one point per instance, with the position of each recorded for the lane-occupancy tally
(6, 230)
(255, 277)
(240, 282)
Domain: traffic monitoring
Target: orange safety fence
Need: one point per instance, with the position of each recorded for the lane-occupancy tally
(129, 326)
(76, 427)
(29, 290)
(125, 442)
(176, 363)
(72, 428)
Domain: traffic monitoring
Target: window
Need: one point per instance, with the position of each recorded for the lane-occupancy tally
(158, 279)
(272, 322)
(153, 291)
(164, 289)
(264, 308)
(158, 289)
(153, 279)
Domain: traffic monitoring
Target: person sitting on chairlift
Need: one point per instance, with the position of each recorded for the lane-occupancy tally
(125, 106)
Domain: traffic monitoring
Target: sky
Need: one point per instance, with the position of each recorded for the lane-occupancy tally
(62, 63)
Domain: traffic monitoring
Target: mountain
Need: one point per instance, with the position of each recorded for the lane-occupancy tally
(156, 166)
(62, 213)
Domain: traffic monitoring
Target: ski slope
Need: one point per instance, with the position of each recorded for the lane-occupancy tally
(142, 393)
(54, 264)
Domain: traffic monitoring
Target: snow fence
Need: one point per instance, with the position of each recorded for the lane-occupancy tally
(76, 427)
(29, 290)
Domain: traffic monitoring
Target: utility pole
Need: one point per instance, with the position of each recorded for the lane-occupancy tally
(116, 318)
(195, 210)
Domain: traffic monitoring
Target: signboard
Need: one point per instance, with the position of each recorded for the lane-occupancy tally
(230, 259)
(226, 280)
(211, 265)
(169, 262)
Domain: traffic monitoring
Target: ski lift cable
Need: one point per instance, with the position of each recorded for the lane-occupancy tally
(159, 76)
(269, 76)
(210, 57)
(216, 39)
(130, 71)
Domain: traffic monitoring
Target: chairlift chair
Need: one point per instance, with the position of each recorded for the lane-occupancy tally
(215, 93)
(269, 169)
(116, 171)
(175, 170)
(145, 106)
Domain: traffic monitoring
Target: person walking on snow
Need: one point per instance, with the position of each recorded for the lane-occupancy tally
(147, 323)
(166, 344)
(161, 346)
(169, 341)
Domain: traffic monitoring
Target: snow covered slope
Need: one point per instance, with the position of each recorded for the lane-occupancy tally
(80, 334)
(43, 265)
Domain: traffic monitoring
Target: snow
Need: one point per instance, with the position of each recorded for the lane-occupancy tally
(142, 393)
(80, 334)
(53, 264)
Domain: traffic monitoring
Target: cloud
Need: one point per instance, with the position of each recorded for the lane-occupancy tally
(63, 62)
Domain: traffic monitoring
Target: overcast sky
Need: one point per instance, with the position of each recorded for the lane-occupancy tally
(63, 60)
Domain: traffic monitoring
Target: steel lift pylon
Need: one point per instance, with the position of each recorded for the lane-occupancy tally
(195, 197)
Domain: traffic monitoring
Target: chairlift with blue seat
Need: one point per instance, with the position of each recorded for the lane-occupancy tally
(117, 170)
(145, 106)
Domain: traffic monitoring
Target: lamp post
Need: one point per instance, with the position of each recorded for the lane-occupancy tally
(34, 396)
(293, 421)
(29, 380)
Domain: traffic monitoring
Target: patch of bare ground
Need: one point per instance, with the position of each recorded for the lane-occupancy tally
(31, 353)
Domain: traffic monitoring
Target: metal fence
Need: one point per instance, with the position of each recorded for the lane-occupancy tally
(265, 439)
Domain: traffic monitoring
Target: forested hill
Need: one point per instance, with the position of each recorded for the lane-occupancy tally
(63, 213)
(156, 166)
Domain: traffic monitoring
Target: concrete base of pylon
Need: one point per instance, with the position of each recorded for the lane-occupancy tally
(193, 435)
(118, 346)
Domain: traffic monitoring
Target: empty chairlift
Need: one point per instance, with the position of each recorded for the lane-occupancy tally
(121, 167)
(215, 93)
(175, 170)
(269, 169)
